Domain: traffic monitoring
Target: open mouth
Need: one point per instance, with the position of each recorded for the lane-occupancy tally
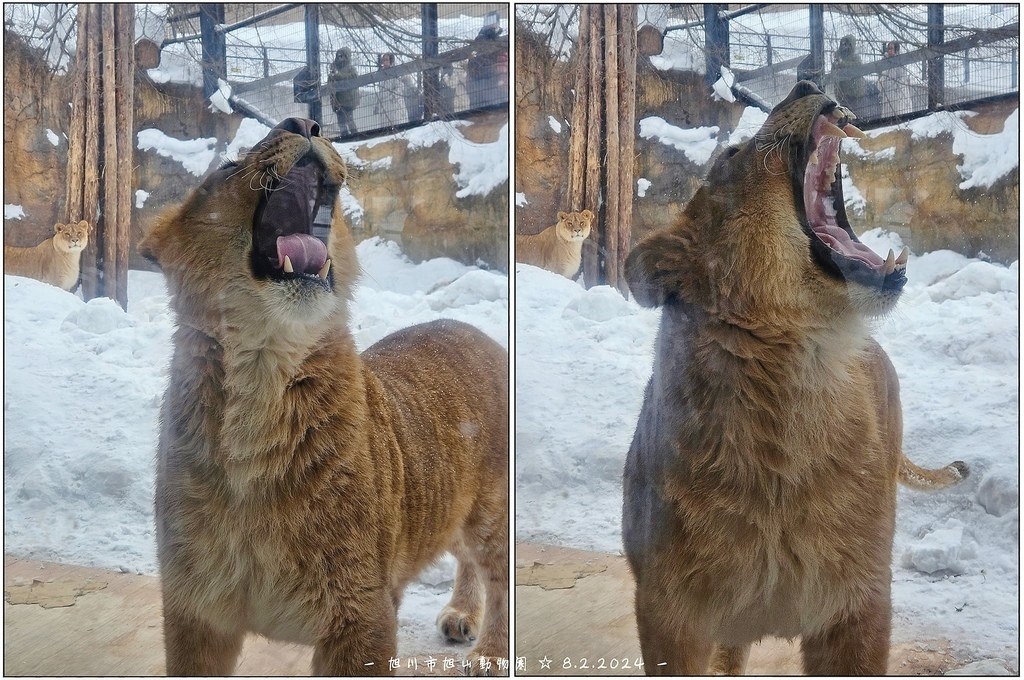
(284, 247)
(817, 181)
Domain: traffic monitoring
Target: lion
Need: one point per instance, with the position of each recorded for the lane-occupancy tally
(54, 261)
(760, 486)
(559, 247)
(301, 485)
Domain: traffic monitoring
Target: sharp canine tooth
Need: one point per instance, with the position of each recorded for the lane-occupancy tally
(830, 130)
(326, 268)
(288, 266)
(890, 263)
(853, 131)
(813, 160)
(904, 255)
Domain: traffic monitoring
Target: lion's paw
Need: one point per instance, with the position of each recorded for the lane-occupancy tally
(457, 626)
(486, 666)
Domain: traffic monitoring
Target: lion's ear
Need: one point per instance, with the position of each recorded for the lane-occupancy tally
(562, 216)
(85, 225)
(587, 215)
(655, 269)
(58, 228)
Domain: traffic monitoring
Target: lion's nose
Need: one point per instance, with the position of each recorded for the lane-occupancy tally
(301, 126)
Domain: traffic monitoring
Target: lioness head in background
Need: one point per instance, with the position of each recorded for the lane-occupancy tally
(71, 238)
(766, 237)
(574, 226)
(239, 254)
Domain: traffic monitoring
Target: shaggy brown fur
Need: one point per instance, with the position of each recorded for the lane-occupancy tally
(558, 248)
(301, 485)
(54, 261)
(760, 488)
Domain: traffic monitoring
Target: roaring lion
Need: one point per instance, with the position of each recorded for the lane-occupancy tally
(301, 485)
(558, 248)
(54, 261)
(760, 487)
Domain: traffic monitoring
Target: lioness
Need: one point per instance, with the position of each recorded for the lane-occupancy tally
(54, 261)
(300, 485)
(760, 487)
(558, 248)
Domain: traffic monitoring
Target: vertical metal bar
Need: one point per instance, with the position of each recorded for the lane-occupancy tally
(214, 55)
(936, 64)
(967, 65)
(816, 20)
(768, 49)
(1013, 69)
(313, 59)
(431, 77)
(266, 62)
(716, 42)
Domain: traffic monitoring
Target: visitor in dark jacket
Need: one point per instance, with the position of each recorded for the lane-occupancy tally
(850, 90)
(344, 102)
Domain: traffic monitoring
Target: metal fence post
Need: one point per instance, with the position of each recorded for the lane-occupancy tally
(214, 54)
(313, 59)
(935, 68)
(716, 42)
(816, 21)
(431, 77)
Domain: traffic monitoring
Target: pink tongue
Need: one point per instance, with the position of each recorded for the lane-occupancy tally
(307, 253)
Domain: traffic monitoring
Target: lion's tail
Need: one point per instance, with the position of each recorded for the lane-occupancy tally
(923, 479)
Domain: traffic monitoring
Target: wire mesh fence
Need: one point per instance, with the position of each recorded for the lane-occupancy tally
(358, 69)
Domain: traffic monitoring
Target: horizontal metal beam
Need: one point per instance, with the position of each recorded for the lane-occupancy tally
(227, 28)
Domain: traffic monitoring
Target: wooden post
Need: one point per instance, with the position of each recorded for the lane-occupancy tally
(215, 66)
(91, 193)
(432, 107)
(609, 236)
(125, 39)
(76, 133)
(592, 183)
(936, 65)
(109, 167)
(312, 23)
(816, 22)
(627, 133)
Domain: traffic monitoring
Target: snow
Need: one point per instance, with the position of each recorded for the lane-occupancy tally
(697, 143)
(555, 125)
(195, 155)
(749, 123)
(583, 358)
(13, 212)
(82, 390)
(642, 185)
(140, 198)
(220, 99)
(52, 137)
(521, 199)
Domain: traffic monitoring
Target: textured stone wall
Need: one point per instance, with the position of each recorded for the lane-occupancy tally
(411, 199)
(915, 192)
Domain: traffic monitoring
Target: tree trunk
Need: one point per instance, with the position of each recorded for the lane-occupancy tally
(610, 233)
(592, 183)
(91, 179)
(76, 133)
(627, 133)
(109, 165)
(125, 64)
(577, 131)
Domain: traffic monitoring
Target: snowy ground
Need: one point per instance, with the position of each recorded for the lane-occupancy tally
(583, 358)
(82, 390)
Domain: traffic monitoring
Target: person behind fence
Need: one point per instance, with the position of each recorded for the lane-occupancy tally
(894, 84)
(487, 71)
(849, 91)
(391, 95)
(344, 102)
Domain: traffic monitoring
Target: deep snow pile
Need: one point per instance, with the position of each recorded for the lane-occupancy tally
(583, 358)
(82, 390)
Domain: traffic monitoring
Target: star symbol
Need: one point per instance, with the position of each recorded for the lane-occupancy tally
(545, 662)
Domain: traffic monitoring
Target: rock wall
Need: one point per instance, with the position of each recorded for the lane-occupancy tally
(412, 199)
(913, 191)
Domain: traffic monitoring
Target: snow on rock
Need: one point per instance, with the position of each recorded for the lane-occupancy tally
(52, 137)
(938, 550)
(696, 143)
(250, 132)
(749, 123)
(13, 212)
(97, 316)
(140, 198)
(642, 185)
(999, 492)
(195, 155)
(973, 280)
(555, 125)
(521, 199)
